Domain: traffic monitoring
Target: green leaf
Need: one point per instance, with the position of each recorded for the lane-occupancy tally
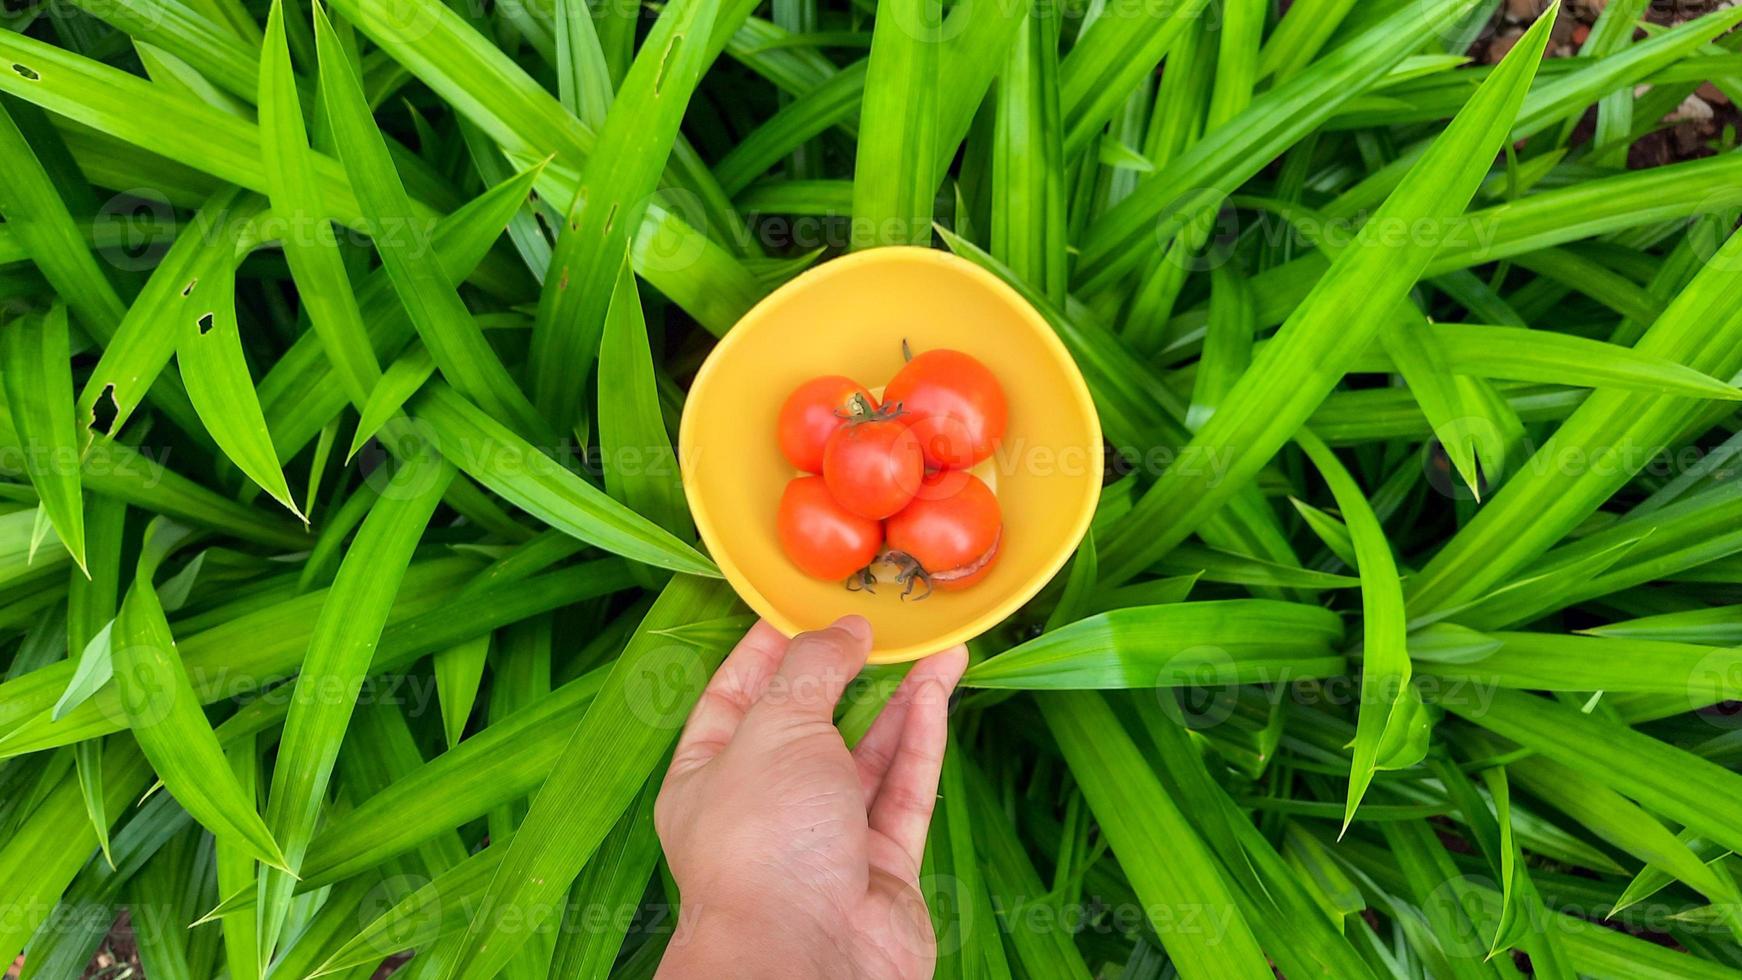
(149, 333)
(1227, 344)
(613, 195)
(1078, 593)
(1657, 543)
(1573, 93)
(961, 888)
(209, 349)
(315, 261)
(41, 856)
(1154, 592)
(583, 796)
(437, 909)
(1233, 641)
(345, 636)
(1229, 155)
(298, 396)
(458, 671)
(1348, 306)
(1703, 675)
(398, 383)
(1329, 529)
(1670, 781)
(95, 667)
(1517, 525)
(1115, 53)
(1388, 701)
(236, 869)
(640, 466)
(1132, 403)
(243, 646)
(1015, 886)
(1300, 35)
(1519, 354)
(1166, 861)
(834, 101)
(504, 762)
(532, 481)
(91, 603)
(35, 371)
(614, 878)
(1219, 566)
(1622, 823)
(1652, 879)
(39, 216)
(1515, 886)
(1453, 405)
(894, 172)
(1028, 168)
(583, 77)
(163, 710)
(1716, 626)
(402, 239)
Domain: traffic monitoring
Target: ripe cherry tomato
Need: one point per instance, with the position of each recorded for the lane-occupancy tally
(873, 464)
(954, 406)
(822, 538)
(948, 537)
(811, 414)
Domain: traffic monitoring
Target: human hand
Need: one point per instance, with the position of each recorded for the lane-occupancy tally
(795, 856)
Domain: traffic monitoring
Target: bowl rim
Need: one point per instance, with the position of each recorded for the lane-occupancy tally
(1079, 393)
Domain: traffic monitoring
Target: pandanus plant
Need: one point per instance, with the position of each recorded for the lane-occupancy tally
(350, 605)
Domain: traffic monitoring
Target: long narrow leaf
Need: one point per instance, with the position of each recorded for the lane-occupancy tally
(35, 371)
(577, 805)
(163, 711)
(486, 450)
(1344, 311)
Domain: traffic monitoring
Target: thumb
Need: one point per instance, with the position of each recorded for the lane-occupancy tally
(817, 668)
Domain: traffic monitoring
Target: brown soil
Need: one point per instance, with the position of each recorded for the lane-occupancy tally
(1698, 124)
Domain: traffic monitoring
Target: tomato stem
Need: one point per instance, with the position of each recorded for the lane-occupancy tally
(861, 410)
(909, 572)
(863, 580)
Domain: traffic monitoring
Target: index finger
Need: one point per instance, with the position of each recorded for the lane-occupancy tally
(740, 680)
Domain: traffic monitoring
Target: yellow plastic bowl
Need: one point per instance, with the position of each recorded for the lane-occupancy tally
(849, 316)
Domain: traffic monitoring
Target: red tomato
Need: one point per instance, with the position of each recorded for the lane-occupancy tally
(811, 414)
(873, 464)
(948, 537)
(822, 538)
(954, 406)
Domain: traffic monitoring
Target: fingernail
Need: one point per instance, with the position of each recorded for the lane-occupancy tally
(858, 626)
